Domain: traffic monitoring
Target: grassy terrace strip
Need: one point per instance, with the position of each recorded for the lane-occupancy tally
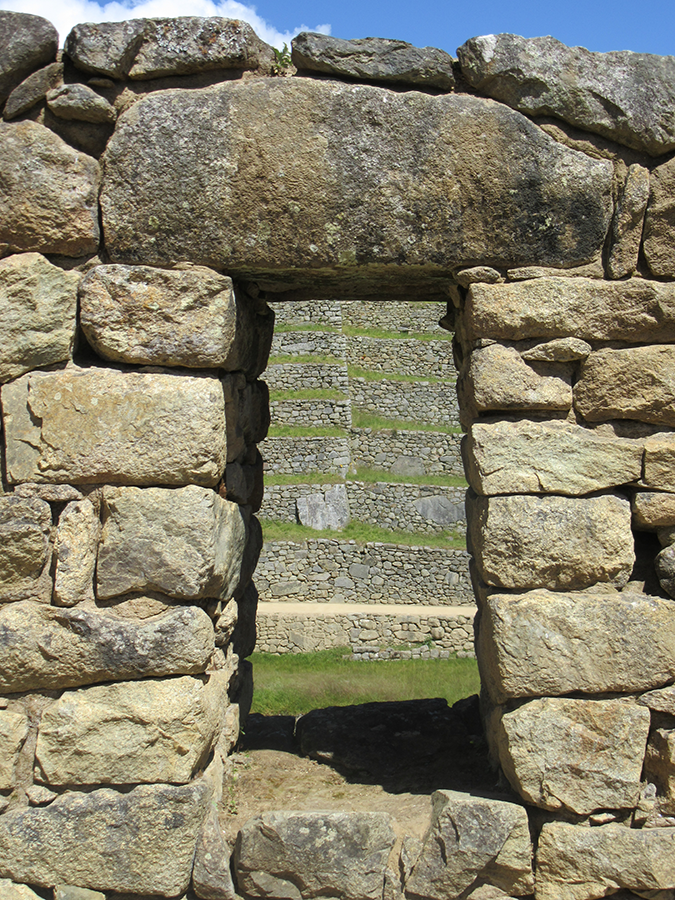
(352, 331)
(305, 478)
(363, 419)
(370, 375)
(361, 533)
(295, 683)
(304, 431)
(309, 394)
(371, 476)
(314, 359)
(309, 326)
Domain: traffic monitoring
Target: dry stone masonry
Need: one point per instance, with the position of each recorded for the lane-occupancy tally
(159, 183)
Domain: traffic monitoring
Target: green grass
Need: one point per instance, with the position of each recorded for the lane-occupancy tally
(352, 331)
(373, 475)
(304, 431)
(314, 359)
(371, 375)
(362, 533)
(363, 419)
(308, 394)
(296, 683)
(307, 326)
(305, 478)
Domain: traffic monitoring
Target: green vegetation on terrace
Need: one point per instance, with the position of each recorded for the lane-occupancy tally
(307, 326)
(305, 478)
(304, 431)
(308, 394)
(374, 475)
(315, 359)
(372, 375)
(362, 533)
(363, 419)
(296, 683)
(440, 335)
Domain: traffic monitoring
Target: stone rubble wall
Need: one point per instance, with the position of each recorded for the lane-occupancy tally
(301, 455)
(435, 404)
(159, 179)
(314, 312)
(330, 570)
(306, 376)
(427, 452)
(314, 413)
(304, 343)
(406, 317)
(404, 356)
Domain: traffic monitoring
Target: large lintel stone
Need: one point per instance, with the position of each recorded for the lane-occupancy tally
(546, 643)
(267, 177)
(104, 425)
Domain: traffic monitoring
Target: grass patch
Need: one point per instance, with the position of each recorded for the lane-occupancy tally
(362, 533)
(363, 419)
(306, 478)
(314, 359)
(308, 394)
(306, 326)
(295, 683)
(304, 431)
(370, 375)
(353, 331)
(373, 475)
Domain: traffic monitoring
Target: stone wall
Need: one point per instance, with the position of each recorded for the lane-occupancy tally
(337, 570)
(315, 312)
(412, 401)
(300, 455)
(403, 316)
(303, 343)
(411, 452)
(306, 376)
(415, 357)
(313, 413)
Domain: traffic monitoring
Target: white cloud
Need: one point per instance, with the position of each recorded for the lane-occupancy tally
(64, 14)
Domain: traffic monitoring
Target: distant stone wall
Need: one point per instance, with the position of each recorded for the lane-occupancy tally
(304, 343)
(415, 318)
(435, 404)
(300, 455)
(315, 312)
(418, 452)
(331, 570)
(306, 376)
(421, 359)
(313, 413)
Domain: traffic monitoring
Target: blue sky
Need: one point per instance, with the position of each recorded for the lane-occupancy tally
(646, 27)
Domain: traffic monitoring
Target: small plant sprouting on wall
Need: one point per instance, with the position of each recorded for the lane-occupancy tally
(282, 60)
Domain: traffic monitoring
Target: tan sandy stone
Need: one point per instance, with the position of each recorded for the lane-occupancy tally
(25, 549)
(13, 733)
(653, 509)
(76, 546)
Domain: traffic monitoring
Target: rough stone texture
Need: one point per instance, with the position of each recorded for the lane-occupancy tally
(497, 378)
(406, 356)
(660, 766)
(187, 543)
(98, 424)
(328, 509)
(544, 643)
(38, 307)
(626, 97)
(373, 59)
(211, 875)
(33, 89)
(575, 863)
(142, 841)
(659, 462)
(129, 732)
(556, 307)
(559, 543)
(295, 456)
(25, 549)
(472, 841)
(75, 548)
(475, 274)
(438, 453)
(190, 317)
(13, 733)
(580, 755)
(653, 509)
(660, 221)
(662, 700)
(11, 891)
(81, 103)
(431, 403)
(665, 569)
(558, 350)
(49, 194)
(26, 43)
(69, 892)
(628, 222)
(291, 141)
(631, 383)
(548, 457)
(47, 647)
(297, 855)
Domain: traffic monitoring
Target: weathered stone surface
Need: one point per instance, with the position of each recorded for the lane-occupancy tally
(476, 274)
(38, 308)
(557, 307)
(98, 424)
(631, 383)
(659, 462)
(47, 647)
(373, 59)
(558, 350)
(11, 891)
(13, 733)
(660, 221)
(473, 840)
(327, 193)
(580, 755)
(142, 841)
(79, 102)
(548, 457)
(49, 193)
(665, 569)
(152, 48)
(167, 317)
(25, 549)
(559, 543)
(129, 732)
(327, 509)
(69, 892)
(52, 493)
(626, 97)
(211, 875)
(186, 543)
(575, 863)
(496, 378)
(33, 89)
(75, 548)
(660, 766)
(26, 43)
(545, 643)
(297, 855)
(627, 224)
(662, 700)
(653, 509)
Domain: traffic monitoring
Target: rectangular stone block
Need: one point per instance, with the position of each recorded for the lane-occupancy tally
(546, 643)
(660, 766)
(653, 509)
(559, 543)
(187, 543)
(659, 465)
(76, 545)
(587, 308)
(25, 549)
(104, 425)
(13, 733)
(548, 457)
